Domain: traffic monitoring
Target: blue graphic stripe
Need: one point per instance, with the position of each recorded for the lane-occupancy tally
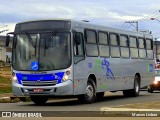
(41, 77)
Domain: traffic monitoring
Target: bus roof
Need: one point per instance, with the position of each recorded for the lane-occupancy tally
(88, 25)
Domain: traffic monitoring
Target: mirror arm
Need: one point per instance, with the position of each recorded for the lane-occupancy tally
(10, 33)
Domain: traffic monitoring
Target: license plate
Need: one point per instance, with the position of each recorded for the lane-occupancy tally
(38, 90)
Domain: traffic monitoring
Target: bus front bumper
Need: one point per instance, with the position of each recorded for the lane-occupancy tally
(61, 89)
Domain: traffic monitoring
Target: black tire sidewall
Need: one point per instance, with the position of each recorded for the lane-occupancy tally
(39, 100)
(136, 83)
(84, 98)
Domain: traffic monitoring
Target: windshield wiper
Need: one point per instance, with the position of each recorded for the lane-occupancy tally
(47, 44)
(31, 41)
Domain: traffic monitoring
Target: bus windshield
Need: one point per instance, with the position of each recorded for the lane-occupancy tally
(41, 51)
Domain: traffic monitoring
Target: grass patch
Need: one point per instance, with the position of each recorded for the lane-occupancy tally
(15, 100)
(9, 100)
(6, 89)
(4, 80)
(6, 68)
(5, 84)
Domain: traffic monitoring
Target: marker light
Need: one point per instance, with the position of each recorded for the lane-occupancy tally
(67, 72)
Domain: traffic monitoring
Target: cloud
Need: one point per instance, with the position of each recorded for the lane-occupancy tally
(112, 13)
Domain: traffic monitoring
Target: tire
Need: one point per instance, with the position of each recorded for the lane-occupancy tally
(150, 90)
(90, 95)
(39, 100)
(136, 89)
(100, 96)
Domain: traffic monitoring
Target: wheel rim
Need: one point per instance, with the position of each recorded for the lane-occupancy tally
(137, 87)
(89, 91)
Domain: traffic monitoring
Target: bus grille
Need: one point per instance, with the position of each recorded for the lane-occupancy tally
(39, 83)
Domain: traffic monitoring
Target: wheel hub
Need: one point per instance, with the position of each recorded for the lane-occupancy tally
(89, 91)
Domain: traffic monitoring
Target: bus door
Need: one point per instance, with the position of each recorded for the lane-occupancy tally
(79, 62)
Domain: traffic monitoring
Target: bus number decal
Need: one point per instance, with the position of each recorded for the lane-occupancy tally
(105, 65)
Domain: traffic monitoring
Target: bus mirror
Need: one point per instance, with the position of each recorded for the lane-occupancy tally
(7, 40)
(77, 39)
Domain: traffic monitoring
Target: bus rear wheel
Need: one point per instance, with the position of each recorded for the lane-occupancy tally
(149, 89)
(136, 89)
(90, 95)
(39, 100)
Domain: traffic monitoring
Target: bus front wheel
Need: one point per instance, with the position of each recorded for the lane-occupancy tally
(136, 89)
(39, 100)
(90, 95)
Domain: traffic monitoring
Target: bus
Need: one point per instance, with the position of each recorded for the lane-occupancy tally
(69, 58)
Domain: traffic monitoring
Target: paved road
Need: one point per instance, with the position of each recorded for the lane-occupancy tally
(110, 99)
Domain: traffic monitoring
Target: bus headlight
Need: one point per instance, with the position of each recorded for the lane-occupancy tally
(66, 75)
(14, 78)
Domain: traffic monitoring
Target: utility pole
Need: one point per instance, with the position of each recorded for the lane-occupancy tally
(132, 23)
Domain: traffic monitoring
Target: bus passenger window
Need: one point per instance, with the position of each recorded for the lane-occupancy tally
(91, 36)
(113, 40)
(124, 46)
(149, 47)
(141, 43)
(103, 38)
(103, 44)
(148, 44)
(133, 47)
(142, 50)
(114, 45)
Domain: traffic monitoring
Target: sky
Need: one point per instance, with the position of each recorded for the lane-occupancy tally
(112, 13)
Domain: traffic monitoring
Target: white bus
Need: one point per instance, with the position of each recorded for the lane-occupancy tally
(73, 58)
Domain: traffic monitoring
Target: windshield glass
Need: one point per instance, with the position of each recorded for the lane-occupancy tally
(41, 51)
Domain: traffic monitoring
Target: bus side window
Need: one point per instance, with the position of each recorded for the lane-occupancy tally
(103, 44)
(114, 45)
(91, 43)
(149, 47)
(124, 46)
(133, 47)
(142, 48)
(78, 47)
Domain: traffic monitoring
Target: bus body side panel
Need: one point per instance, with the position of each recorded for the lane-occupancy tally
(140, 66)
(106, 70)
(115, 70)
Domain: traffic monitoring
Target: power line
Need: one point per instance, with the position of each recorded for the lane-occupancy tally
(126, 26)
(146, 18)
(132, 23)
(123, 25)
(149, 16)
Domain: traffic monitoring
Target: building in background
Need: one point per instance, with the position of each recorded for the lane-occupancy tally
(5, 53)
